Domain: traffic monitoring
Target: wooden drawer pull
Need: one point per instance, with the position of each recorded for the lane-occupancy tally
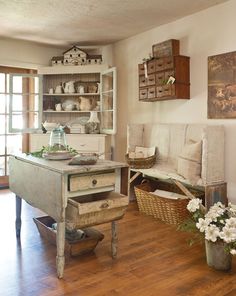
(151, 92)
(82, 145)
(94, 182)
(143, 93)
(104, 205)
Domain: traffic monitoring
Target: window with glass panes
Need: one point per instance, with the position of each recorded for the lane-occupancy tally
(10, 143)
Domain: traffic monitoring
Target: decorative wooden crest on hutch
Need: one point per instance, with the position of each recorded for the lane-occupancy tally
(165, 75)
(76, 56)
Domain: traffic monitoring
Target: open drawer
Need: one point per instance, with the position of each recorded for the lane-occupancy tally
(93, 209)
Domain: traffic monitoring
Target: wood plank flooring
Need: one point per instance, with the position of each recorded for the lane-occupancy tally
(153, 260)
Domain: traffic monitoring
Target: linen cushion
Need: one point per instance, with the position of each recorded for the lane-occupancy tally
(189, 162)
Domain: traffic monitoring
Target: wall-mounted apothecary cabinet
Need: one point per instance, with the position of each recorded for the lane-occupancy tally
(154, 74)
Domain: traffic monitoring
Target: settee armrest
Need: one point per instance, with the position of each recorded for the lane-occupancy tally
(213, 155)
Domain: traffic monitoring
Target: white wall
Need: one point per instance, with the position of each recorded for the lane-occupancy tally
(30, 55)
(25, 54)
(203, 34)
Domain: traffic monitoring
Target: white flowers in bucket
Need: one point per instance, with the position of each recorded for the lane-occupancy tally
(218, 224)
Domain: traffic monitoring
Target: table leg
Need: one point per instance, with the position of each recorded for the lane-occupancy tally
(18, 215)
(114, 239)
(60, 262)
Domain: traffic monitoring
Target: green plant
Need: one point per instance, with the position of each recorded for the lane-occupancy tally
(48, 149)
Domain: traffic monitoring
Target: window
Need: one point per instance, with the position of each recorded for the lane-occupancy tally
(10, 143)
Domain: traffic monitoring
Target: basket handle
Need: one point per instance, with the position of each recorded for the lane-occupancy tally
(145, 181)
(184, 189)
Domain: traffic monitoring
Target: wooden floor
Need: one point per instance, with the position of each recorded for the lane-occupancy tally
(153, 259)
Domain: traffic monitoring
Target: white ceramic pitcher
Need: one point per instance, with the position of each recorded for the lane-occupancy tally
(69, 87)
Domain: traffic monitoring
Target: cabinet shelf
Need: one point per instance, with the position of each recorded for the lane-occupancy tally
(71, 94)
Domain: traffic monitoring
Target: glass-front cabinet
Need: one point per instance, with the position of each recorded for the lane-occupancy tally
(65, 95)
(108, 101)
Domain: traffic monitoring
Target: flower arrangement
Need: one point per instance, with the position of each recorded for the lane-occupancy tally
(218, 224)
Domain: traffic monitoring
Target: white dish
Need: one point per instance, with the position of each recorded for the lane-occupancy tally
(60, 155)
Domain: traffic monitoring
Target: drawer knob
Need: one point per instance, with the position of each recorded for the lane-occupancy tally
(104, 205)
(94, 182)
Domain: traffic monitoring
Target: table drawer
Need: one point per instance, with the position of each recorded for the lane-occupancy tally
(85, 182)
(95, 209)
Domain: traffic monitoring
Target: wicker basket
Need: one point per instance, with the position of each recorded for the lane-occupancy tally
(172, 211)
(141, 163)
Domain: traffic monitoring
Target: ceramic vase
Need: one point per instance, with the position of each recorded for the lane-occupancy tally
(216, 255)
(93, 124)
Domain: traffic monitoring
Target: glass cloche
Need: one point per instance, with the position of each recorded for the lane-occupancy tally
(57, 140)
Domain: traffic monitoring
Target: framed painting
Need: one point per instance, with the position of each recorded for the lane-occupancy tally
(222, 86)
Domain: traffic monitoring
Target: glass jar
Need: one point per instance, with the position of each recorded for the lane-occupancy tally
(58, 139)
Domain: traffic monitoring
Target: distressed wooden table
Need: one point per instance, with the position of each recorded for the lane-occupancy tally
(53, 186)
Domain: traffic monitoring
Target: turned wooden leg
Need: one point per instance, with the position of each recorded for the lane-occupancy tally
(114, 239)
(60, 262)
(18, 215)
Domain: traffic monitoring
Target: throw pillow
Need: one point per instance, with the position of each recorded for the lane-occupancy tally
(189, 162)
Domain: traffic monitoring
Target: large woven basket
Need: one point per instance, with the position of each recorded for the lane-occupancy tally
(171, 211)
(141, 163)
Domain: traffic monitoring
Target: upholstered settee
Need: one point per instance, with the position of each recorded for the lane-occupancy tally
(190, 153)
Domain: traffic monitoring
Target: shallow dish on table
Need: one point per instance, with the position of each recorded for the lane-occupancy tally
(58, 155)
(84, 159)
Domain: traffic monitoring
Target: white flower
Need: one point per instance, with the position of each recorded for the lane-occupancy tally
(202, 224)
(233, 252)
(212, 215)
(212, 232)
(194, 204)
(228, 234)
(219, 204)
(232, 212)
(231, 222)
